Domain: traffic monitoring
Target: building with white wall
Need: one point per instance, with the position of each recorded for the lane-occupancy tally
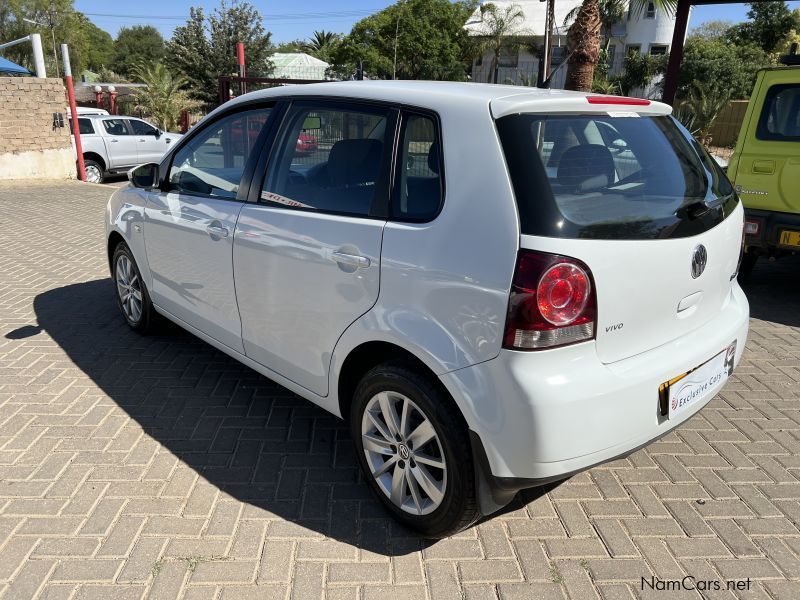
(648, 30)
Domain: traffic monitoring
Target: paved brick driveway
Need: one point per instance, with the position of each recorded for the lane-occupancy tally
(157, 467)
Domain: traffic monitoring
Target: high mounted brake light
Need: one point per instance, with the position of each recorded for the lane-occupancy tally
(618, 100)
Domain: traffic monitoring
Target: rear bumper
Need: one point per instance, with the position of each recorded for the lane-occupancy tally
(540, 416)
(771, 223)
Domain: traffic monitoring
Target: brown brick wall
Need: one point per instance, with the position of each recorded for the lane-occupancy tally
(27, 105)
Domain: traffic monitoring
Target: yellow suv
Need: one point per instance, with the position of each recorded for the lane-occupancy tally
(765, 166)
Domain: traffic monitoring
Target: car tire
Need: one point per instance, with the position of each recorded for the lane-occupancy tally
(94, 171)
(133, 299)
(427, 483)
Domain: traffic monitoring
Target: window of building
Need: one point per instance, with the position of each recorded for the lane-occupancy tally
(633, 49)
(658, 50)
(650, 11)
(509, 57)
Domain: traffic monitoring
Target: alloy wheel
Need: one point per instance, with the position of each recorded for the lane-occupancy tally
(93, 174)
(404, 453)
(129, 289)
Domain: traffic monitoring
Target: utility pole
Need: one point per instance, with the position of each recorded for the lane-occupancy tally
(53, 35)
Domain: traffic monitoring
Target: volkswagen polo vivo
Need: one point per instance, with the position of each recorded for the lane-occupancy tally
(496, 286)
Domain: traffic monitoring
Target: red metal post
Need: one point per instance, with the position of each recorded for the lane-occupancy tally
(112, 99)
(242, 72)
(74, 110)
(98, 96)
(676, 51)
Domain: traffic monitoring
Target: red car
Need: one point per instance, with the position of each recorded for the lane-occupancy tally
(306, 144)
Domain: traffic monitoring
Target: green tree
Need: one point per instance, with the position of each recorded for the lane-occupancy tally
(55, 19)
(639, 70)
(99, 45)
(204, 48)
(700, 108)
(291, 46)
(769, 25)
(163, 97)
(718, 64)
(501, 29)
(322, 45)
(583, 40)
(428, 35)
(712, 30)
(136, 45)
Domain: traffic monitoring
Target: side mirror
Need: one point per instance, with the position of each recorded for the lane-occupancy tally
(158, 133)
(144, 176)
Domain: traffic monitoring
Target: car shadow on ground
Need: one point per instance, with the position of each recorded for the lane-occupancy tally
(245, 434)
(773, 289)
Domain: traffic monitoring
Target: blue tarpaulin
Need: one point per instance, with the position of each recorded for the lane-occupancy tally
(6, 67)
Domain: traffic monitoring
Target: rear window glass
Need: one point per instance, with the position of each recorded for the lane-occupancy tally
(780, 117)
(84, 126)
(611, 177)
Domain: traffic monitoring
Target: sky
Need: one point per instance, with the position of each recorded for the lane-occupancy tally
(293, 19)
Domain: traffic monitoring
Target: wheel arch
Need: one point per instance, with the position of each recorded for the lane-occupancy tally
(96, 158)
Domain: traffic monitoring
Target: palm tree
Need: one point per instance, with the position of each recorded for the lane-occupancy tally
(500, 27)
(583, 40)
(611, 13)
(321, 44)
(163, 97)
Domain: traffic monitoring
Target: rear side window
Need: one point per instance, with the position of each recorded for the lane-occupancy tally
(212, 162)
(328, 159)
(116, 127)
(611, 177)
(780, 115)
(419, 193)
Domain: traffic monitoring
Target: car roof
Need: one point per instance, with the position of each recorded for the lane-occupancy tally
(441, 95)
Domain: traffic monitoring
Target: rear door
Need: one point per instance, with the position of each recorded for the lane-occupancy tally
(307, 255)
(768, 172)
(120, 143)
(642, 205)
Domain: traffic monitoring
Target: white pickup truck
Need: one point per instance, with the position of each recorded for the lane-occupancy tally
(114, 144)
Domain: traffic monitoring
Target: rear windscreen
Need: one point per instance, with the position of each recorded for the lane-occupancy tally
(612, 177)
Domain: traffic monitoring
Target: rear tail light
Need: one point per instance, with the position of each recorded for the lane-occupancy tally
(751, 226)
(552, 302)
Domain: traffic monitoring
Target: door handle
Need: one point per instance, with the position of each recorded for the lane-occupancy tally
(168, 140)
(765, 167)
(217, 231)
(113, 140)
(142, 140)
(351, 260)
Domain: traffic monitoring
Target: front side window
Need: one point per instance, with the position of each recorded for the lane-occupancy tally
(419, 171)
(213, 161)
(116, 127)
(328, 159)
(612, 177)
(142, 128)
(780, 116)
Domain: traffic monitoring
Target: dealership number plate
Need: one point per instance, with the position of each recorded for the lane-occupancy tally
(701, 382)
(790, 238)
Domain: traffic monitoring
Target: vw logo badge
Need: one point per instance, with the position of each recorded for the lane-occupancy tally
(699, 260)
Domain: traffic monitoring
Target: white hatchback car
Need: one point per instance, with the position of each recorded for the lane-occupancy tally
(497, 286)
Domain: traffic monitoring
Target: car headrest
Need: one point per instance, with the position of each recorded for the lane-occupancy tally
(588, 166)
(352, 162)
(433, 158)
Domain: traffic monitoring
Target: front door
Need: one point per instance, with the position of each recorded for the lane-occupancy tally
(189, 229)
(120, 143)
(151, 143)
(307, 256)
